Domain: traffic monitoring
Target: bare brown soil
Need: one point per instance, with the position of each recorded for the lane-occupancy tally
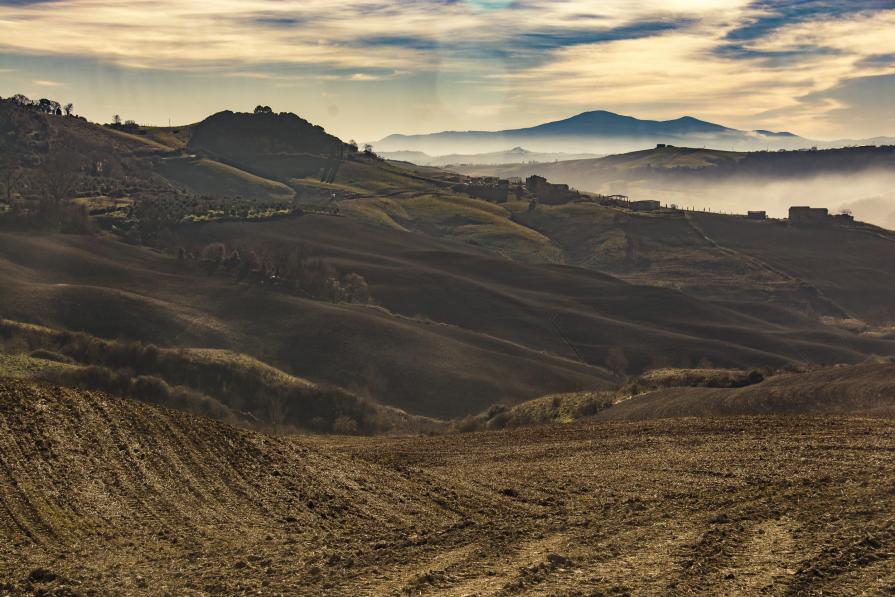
(106, 496)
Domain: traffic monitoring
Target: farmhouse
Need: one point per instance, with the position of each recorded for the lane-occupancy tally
(645, 205)
(803, 214)
(757, 215)
(549, 193)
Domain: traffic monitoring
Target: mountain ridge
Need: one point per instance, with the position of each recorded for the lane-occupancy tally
(596, 126)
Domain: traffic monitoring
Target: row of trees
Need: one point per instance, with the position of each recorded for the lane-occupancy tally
(47, 106)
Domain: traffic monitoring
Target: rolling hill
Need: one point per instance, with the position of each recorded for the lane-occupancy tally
(453, 316)
(473, 302)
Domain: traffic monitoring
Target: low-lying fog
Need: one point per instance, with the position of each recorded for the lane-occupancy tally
(869, 196)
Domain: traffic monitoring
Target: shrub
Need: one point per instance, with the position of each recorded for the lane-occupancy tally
(345, 426)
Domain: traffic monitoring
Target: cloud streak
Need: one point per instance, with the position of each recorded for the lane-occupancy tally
(729, 60)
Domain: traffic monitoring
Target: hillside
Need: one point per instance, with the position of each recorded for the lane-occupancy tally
(863, 390)
(279, 146)
(107, 495)
(395, 284)
(597, 131)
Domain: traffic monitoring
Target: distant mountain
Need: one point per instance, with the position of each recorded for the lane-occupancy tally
(596, 132)
(516, 155)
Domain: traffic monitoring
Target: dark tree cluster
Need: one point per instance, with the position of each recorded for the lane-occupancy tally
(44, 105)
(43, 197)
(129, 126)
(286, 267)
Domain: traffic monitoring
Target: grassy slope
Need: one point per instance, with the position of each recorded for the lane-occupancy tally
(867, 390)
(23, 366)
(207, 177)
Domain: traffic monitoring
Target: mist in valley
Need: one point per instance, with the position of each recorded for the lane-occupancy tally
(868, 196)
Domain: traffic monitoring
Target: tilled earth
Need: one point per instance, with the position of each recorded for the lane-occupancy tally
(106, 496)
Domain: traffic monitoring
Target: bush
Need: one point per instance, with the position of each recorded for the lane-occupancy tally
(345, 426)
(49, 355)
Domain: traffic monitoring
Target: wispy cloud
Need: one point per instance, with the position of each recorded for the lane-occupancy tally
(731, 60)
(46, 83)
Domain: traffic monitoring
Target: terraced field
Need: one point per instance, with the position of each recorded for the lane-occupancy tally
(107, 496)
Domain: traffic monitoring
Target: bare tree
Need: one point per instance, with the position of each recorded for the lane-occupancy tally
(277, 409)
(69, 108)
(59, 177)
(116, 120)
(617, 362)
(355, 288)
(11, 175)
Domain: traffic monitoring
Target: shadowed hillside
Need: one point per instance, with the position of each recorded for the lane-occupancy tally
(110, 290)
(454, 317)
(279, 146)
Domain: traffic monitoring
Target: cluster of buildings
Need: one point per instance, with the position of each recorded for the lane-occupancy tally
(803, 215)
(486, 187)
(538, 191)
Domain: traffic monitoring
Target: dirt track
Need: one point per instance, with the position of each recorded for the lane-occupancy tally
(114, 497)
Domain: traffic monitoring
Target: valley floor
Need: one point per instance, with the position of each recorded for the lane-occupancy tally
(108, 496)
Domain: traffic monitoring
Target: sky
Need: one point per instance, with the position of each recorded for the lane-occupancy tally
(823, 69)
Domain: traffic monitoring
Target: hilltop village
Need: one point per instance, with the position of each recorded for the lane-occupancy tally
(538, 191)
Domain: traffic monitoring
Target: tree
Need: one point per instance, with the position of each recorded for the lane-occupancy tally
(345, 425)
(352, 145)
(59, 177)
(616, 361)
(49, 106)
(355, 288)
(277, 410)
(116, 120)
(214, 252)
(56, 181)
(11, 175)
(22, 100)
(69, 108)
(263, 110)
(368, 149)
